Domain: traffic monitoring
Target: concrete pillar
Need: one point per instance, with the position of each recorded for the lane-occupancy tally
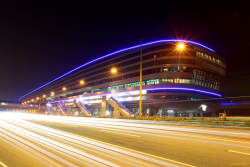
(201, 114)
(196, 115)
(116, 112)
(104, 105)
(74, 108)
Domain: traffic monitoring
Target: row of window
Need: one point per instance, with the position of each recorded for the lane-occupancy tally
(204, 75)
(145, 72)
(107, 65)
(115, 62)
(207, 57)
(77, 75)
(208, 83)
(208, 77)
(210, 66)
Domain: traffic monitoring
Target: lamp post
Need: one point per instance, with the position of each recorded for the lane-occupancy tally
(140, 107)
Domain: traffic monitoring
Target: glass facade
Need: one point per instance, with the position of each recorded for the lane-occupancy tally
(207, 67)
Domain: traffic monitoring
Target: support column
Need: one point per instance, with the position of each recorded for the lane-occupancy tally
(74, 108)
(191, 115)
(116, 112)
(104, 104)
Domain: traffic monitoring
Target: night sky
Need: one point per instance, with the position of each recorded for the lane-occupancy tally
(40, 41)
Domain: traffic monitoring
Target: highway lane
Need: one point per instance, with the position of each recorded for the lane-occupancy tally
(114, 142)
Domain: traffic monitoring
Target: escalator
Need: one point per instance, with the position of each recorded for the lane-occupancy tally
(61, 109)
(118, 107)
(48, 107)
(83, 108)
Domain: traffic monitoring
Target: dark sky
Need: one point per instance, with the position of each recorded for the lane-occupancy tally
(41, 40)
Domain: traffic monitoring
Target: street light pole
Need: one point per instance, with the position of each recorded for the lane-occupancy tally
(140, 107)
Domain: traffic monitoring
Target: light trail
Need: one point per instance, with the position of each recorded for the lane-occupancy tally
(120, 133)
(238, 152)
(59, 147)
(3, 164)
(154, 129)
(102, 122)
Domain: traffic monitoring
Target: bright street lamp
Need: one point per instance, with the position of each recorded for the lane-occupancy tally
(37, 98)
(52, 93)
(180, 46)
(82, 82)
(44, 96)
(64, 88)
(113, 70)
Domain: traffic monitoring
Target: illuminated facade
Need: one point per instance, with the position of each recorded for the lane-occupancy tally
(177, 80)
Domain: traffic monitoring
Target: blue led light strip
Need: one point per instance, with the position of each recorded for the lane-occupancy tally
(166, 88)
(119, 51)
(187, 89)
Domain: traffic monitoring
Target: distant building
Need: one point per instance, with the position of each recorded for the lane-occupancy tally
(178, 78)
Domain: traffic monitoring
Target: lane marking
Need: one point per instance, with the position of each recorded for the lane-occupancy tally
(120, 133)
(120, 147)
(238, 152)
(154, 156)
(3, 164)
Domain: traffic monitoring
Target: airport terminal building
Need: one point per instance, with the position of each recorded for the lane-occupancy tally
(179, 78)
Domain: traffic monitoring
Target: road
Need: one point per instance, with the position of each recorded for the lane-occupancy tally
(38, 140)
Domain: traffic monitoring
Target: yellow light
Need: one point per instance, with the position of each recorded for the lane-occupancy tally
(28, 101)
(44, 96)
(37, 98)
(52, 93)
(180, 46)
(82, 82)
(25, 102)
(64, 88)
(113, 70)
(32, 100)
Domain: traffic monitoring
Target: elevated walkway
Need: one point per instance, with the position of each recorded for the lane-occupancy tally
(83, 108)
(61, 109)
(48, 107)
(119, 108)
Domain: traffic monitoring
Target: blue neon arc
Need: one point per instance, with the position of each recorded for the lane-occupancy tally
(119, 51)
(166, 88)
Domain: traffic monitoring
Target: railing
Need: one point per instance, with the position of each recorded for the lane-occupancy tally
(122, 107)
(49, 109)
(61, 108)
(83, 108)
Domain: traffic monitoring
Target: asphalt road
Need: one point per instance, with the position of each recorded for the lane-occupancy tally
(33, 140)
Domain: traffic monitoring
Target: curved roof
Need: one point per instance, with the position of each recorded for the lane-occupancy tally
(113, 53)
